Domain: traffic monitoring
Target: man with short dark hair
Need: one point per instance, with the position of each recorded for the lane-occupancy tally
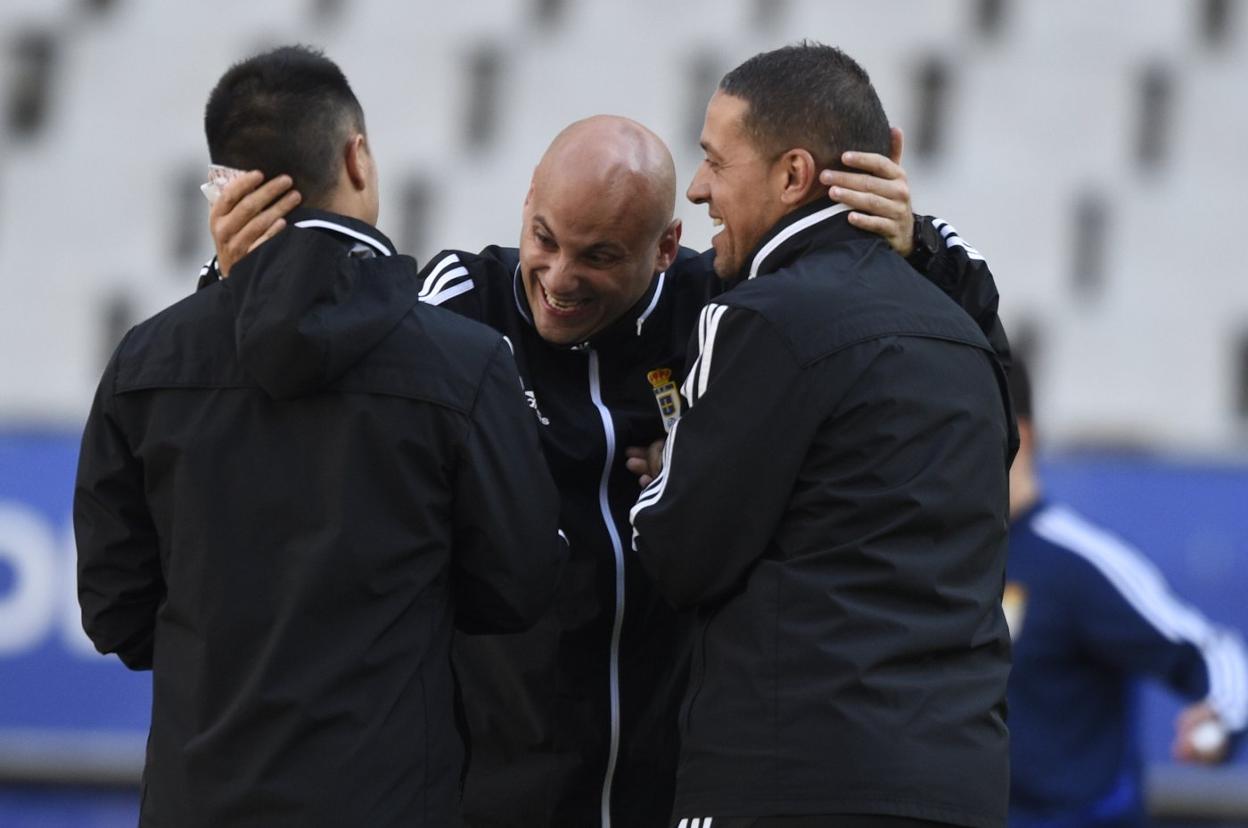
(833, 498)
(292, 111)
(285, 503)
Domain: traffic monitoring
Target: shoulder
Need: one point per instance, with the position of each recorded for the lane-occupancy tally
(692, 276)
(454, 273)
(433, 355)
(192, 336)
(1072, 543)
(470, 338)
(847, 294)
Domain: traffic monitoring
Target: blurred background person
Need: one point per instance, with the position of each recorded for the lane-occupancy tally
(1089, 614)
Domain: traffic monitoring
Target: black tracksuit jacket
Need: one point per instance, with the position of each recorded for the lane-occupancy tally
(286, 498)
(833, 507)
(581, 710)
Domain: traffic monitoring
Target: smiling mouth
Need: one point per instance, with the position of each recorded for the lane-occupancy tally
(717, 222)
(562, 306)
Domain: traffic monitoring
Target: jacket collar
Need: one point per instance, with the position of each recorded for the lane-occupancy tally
(365, 239)
(628, 326)
(818, 222)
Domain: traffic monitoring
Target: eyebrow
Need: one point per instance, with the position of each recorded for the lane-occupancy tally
(605, 249)
(609, 248)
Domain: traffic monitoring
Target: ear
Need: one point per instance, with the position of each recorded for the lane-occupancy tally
(799, 174)
(358, 161)
(669, 246)
(894, 152)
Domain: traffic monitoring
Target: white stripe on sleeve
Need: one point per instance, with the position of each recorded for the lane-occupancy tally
(442, 277)
(450, 293)
(654, 492)
(700, 371)
(952, 239)
(1141, 584)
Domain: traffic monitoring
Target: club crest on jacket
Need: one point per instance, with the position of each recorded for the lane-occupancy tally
(666, 395)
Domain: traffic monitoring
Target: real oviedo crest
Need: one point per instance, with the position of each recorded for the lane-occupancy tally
(666, 394)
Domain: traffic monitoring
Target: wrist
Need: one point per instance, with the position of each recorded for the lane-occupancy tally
(925, 243)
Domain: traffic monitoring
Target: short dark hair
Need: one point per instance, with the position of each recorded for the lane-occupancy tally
(1020, 387)
(811, 96)
(289, 110)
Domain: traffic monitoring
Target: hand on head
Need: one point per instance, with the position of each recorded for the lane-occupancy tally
(879, 195)
(249, 212)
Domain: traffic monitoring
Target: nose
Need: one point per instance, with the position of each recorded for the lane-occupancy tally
(560, 277)
(699, 191)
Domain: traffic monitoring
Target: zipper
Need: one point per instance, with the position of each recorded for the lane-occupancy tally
(608, 427)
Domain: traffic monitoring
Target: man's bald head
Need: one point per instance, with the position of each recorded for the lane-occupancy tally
(609, 156)
(598, 226)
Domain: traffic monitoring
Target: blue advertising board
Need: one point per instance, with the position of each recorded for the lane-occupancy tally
(59, 699)
(63, 706)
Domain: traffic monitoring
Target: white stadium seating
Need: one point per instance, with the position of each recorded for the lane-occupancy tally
(100, 224)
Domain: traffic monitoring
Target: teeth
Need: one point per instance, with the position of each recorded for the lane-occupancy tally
(561, 304)
(717, 222)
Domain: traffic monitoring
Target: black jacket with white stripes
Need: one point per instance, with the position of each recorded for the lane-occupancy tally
(582, 709)
(833, 505)
(284, 498)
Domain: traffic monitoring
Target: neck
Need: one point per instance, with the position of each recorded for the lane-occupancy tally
(1024, 487)
(344, 204)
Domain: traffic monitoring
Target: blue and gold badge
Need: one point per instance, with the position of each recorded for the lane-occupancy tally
(666, 394)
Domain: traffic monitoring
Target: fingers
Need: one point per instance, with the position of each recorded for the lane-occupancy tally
(896, 142)
(637, 465)
(261, 227)
(234, 191)
(640, 467)
(895, 187)
(655, 455)
(871, 203)
(245, 197)
(873, 163)
(885, 227)
(646, 462)
(275, 228)
(889, 197)
(1200, 736)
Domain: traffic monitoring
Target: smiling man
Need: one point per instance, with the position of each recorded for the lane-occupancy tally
(833, 500)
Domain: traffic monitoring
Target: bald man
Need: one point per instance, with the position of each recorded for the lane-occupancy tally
(573, 723)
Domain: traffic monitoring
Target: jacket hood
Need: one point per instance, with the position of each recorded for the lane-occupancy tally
(312, 301)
